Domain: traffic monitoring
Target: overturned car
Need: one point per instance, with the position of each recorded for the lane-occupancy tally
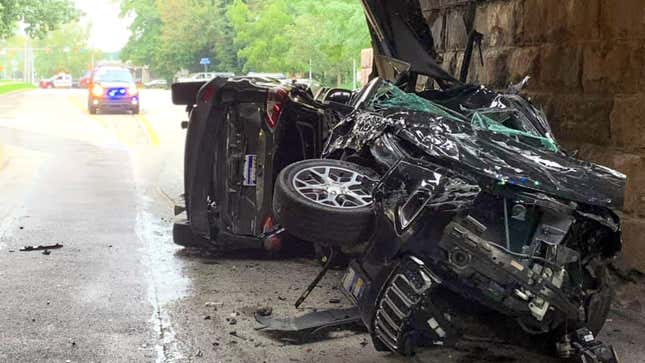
(438, 190)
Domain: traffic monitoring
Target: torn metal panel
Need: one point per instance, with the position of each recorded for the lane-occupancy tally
(310, 321)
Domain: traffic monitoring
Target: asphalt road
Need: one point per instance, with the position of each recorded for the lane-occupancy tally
(118, 289)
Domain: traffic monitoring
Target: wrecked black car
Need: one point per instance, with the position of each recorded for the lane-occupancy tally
(439, 191)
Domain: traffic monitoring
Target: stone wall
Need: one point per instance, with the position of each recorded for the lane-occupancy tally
(586, 59)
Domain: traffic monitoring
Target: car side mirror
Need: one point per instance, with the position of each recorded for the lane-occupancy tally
(184, 125)
(339, 97)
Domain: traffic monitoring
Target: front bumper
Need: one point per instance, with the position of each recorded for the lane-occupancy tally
(115, 103)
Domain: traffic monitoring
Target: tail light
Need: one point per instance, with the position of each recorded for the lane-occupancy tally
(274, 243)
(207, 93)
(97, 90)
(276, 98)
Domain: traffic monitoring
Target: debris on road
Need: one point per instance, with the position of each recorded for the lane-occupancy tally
(235, 334)
(214, 305)
(231, 321)
(334, 301)
(41, 247)
(265, 311)
(47, 252)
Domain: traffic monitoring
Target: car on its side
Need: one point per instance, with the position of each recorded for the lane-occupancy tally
(113, 88)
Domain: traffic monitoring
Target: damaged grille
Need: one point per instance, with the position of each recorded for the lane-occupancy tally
(403, 295)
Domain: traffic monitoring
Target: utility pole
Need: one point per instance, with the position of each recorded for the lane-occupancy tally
(24, 65)
(353, 73)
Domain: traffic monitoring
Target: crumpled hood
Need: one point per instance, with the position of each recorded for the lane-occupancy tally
(489, 156)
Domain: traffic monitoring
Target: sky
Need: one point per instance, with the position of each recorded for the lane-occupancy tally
(109, 31)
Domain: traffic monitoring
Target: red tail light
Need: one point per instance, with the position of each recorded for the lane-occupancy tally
(273, 243)
(275, 103)
(208, 93)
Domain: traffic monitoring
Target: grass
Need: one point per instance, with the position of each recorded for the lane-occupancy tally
(7, 87)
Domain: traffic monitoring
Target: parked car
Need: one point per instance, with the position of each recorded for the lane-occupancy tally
(459, 210)
(61, 80)
(156, 83)
(84, 81)
(113, 88)
(205, 76)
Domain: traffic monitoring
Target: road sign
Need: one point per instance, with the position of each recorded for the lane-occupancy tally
(205, 61)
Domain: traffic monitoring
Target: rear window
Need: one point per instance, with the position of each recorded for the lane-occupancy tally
(113, 75)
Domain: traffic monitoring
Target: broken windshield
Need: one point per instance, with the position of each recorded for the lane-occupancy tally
(500, 118)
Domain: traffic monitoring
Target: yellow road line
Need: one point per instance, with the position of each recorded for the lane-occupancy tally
(150, 132)
(152, 135)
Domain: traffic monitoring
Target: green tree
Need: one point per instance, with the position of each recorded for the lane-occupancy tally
(173, 35)
(39, 16)
(65, 50)
(289, 36)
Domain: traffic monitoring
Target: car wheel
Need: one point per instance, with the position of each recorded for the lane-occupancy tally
(325, 201)
(92, 110)
(136, 110)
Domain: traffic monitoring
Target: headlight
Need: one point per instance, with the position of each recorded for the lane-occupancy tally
(97, 90)
(133, 91)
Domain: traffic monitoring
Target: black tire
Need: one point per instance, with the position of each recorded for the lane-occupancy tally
(315, 222)
(92, 110)
(136, 110)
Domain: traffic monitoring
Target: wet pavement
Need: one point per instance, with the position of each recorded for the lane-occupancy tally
(119, 290)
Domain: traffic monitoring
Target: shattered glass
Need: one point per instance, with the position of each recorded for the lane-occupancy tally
(493, 119)
(494, 138)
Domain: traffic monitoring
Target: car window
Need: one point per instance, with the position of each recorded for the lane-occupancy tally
(113, 75)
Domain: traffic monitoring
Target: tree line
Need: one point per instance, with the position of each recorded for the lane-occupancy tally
(288, 36)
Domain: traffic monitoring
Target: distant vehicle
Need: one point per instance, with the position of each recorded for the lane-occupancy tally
(279, 76)
(62, 80)
(204, 76)
(84, 82)
(156, 83)
(112, 88)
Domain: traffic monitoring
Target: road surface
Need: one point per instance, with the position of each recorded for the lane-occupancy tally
(119, 290)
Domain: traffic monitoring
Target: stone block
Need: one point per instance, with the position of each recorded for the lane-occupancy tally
(559, 67)
(581, 118)
(557, 21)
(456, 36)
(367, 58)
(632, 165)
(524, 62)
(498, 21)
(622, 19)
(494, 72)
(628, 121)
(634, 242)
(613, 66)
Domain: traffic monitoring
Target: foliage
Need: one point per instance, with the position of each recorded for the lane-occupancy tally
(173, 35)
(287, 36)
(7, 87)
(39, 16)
(65, 50)
(292, 35)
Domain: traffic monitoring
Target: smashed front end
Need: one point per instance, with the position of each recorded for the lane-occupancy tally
(484, 207)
